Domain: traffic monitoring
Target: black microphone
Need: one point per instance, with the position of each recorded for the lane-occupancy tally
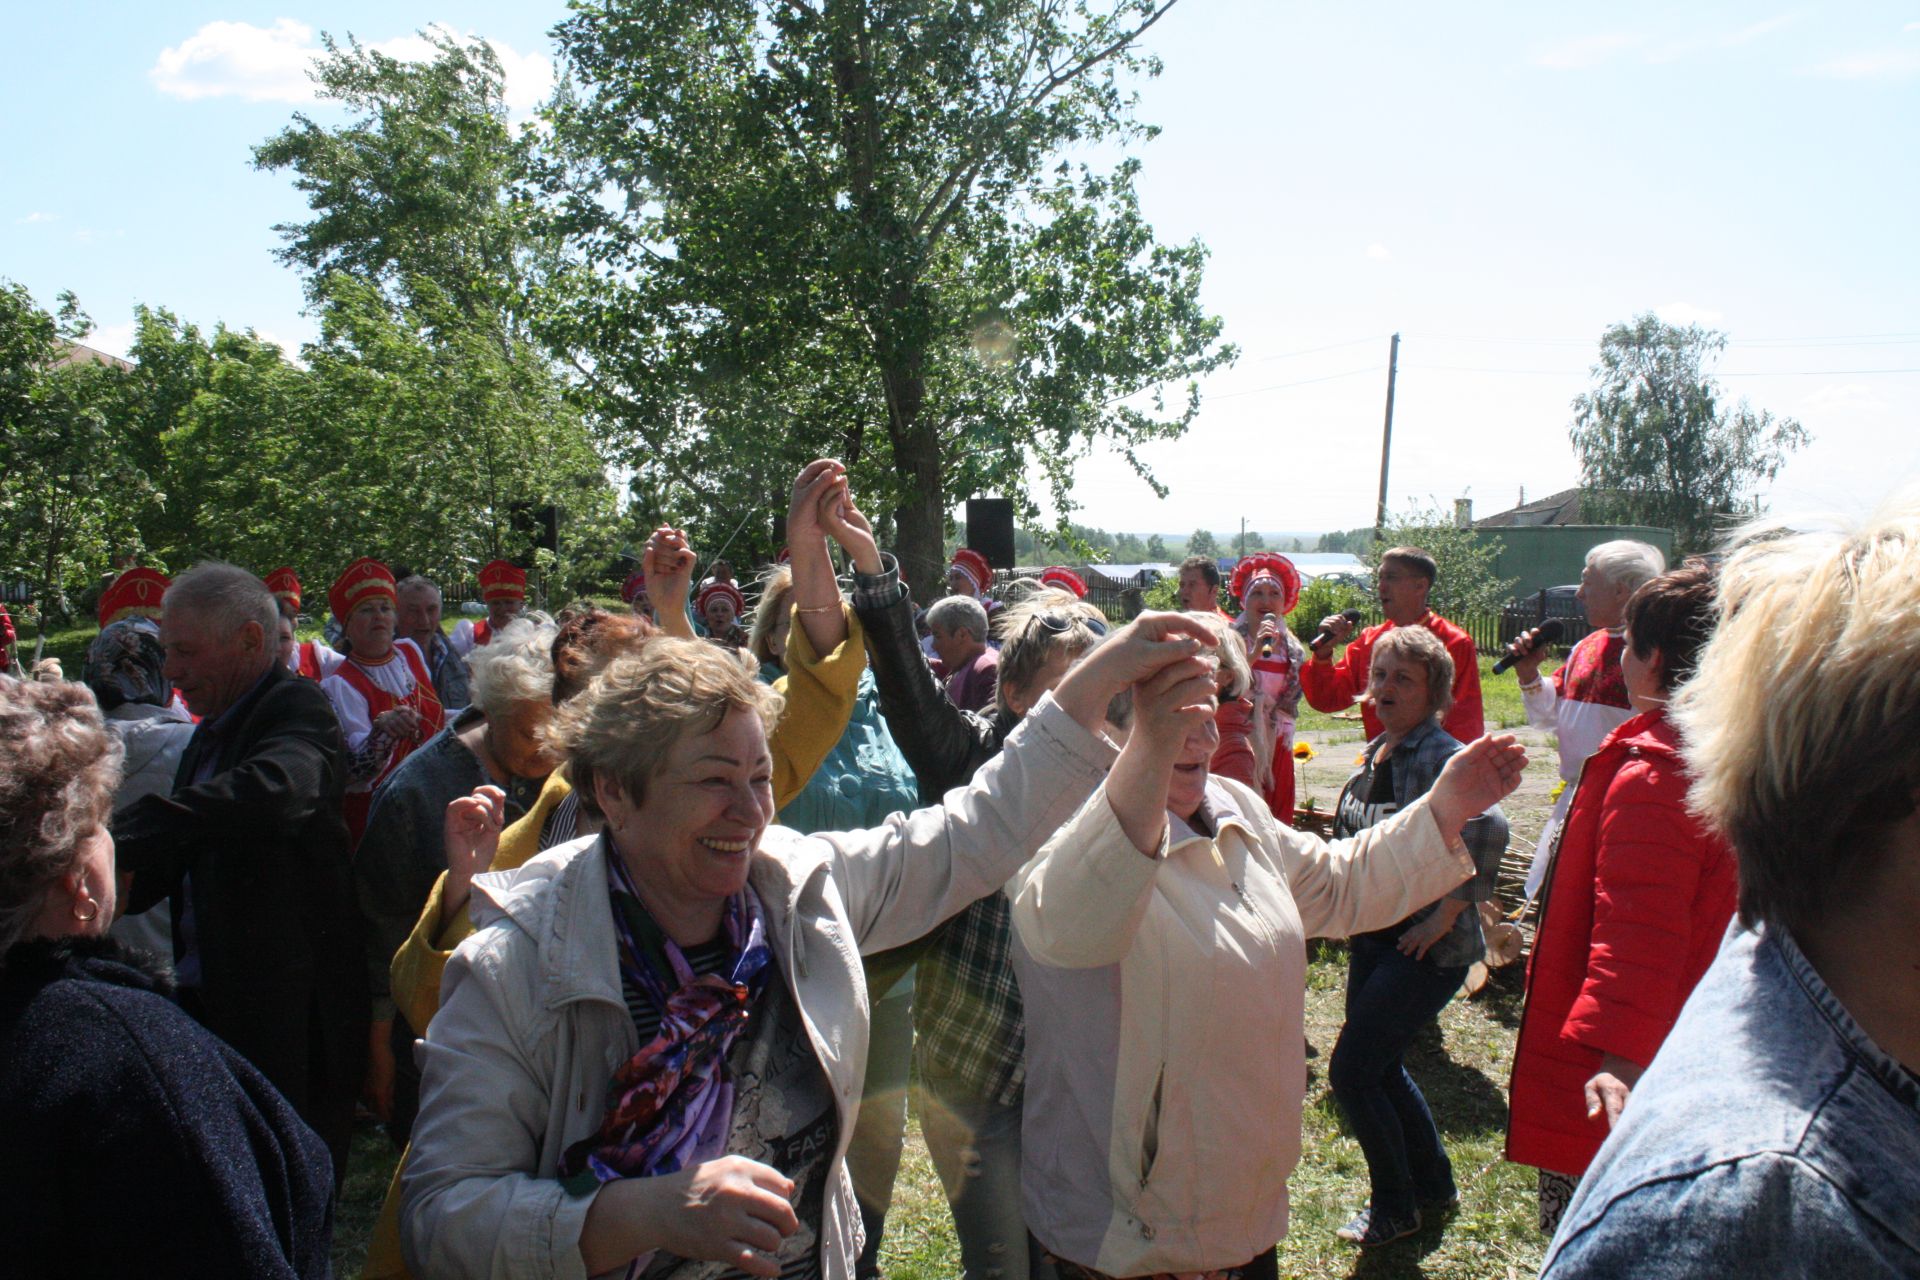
(1324, 633)
(1549, 632)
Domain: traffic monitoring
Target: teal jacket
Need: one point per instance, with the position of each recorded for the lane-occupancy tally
(862, 781)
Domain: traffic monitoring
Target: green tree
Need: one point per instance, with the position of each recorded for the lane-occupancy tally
(839, 226)
(1128, 549)
(1202, 544)
(1465, 583)
(442, 419)
(67, 485)
(1657, 445)
(1156, 549)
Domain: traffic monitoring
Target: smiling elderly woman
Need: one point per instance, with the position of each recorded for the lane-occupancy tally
(650, 1051)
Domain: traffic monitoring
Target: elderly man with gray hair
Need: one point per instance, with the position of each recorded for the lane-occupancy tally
(1586, 698)
(251, 846)
(959, 627)
(417, 602)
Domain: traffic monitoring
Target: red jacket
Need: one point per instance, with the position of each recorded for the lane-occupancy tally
(1637, 899)
(1333, 686)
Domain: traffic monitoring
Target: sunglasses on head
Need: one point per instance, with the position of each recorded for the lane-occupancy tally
(1055, 624)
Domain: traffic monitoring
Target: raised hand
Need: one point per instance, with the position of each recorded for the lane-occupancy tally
(668, 563)
(847, 526)
(470, 837)
(816, 480)
(1476, 779)
(1137, 651)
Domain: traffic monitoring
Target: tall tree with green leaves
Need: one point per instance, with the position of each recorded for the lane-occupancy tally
(442, 413)
(1202, 543)
(1658, 445)
(68, 489)
(856, 227)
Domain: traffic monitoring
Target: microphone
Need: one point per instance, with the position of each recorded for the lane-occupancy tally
(1324, 634)
(1549, 632)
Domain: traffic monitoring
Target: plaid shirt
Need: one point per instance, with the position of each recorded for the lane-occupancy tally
(967, 1017)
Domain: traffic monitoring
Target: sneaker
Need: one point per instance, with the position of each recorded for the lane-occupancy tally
(1368, 1231)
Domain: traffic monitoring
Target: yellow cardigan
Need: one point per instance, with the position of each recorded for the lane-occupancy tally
(820, 696)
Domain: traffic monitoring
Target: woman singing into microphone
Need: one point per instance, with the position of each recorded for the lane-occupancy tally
(1267, 586)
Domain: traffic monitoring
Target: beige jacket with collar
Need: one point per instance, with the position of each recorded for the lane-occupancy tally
(1165, 1000)
(532, 1025)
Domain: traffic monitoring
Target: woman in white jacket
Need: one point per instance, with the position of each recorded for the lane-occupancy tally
(1160, 947)
(647, 1058)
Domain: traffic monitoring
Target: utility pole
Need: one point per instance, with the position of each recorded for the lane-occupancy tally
(1386, 441)
(1243, 537)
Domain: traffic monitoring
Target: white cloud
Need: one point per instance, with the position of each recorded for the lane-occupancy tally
(1685, 313)
(271, 64)
(1880, 65)
(114, 339)
(1378, 252)
(239, 60)
(1765, 27)
(1874, 64)
(1582, 51)
(36, 216)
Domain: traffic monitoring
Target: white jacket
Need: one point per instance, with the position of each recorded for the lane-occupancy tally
(1165, 998)
(532, 1025)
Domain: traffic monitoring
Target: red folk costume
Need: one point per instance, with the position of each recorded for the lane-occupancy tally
(361, 691)
(737, 637)
(499, 580)
(1333, 686)
(979, 573)
(134, 594)
(633, 588)
(311, 659)
(1064, 579)
(1269, 718)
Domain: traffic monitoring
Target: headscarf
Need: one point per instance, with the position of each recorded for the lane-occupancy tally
(124, 665)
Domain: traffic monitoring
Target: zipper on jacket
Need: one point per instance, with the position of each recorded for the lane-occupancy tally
(1150, 1136)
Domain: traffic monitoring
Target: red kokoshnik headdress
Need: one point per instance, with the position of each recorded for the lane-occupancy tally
(1274, 568)
(1058, 575)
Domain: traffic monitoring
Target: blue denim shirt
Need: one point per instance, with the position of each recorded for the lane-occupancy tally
(1770, 1137)
(1417, 763)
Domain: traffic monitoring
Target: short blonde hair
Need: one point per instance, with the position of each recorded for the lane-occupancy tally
(1046, 623)
(774, 593)
(639, 705)
(1422, 648)
(1799, 721)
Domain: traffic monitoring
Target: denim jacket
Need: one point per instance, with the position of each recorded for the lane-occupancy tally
(1417, 762)
(1770, 1137)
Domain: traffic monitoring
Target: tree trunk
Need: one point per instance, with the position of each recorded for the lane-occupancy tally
(921, 532)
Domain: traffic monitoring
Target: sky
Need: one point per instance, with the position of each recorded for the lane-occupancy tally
(1497, 183)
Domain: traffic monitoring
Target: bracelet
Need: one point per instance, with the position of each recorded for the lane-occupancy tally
(817, 608)
(1529, 688)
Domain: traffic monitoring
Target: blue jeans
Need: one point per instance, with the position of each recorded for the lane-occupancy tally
(975, 1145)
(1390, 998)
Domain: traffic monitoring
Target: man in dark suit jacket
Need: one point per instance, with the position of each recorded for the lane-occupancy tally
(252, 848)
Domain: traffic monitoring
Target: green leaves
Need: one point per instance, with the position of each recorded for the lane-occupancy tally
(1656, 446)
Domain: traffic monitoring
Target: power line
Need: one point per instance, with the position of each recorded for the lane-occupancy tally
(1282, 386)
(1741, 373)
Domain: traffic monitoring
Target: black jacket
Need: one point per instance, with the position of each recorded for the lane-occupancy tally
(944, 745)
(263, 847)
(136, 1143)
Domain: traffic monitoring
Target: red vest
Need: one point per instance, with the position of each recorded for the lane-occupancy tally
(423, 700)
(309, 667)
(482, 632)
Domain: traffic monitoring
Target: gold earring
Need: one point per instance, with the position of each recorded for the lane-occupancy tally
(91, 916)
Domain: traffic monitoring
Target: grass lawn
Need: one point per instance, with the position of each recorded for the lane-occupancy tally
(1462, 1066)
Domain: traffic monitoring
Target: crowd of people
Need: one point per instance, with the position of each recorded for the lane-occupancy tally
(630, 926)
